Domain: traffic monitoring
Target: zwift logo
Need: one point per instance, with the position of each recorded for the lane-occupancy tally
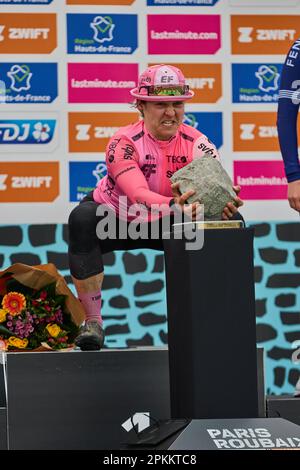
(251, 131)
(247, 131)
(245, 34)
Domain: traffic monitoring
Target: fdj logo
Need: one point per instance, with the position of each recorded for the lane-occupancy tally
(27, 132)
(103, 28)
(268, 77)
(20, 77)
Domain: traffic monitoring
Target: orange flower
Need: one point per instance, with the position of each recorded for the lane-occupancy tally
(13, 303)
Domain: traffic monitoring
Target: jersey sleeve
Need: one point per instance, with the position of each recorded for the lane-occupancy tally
(123, 165)
(203, 146)
(287, 113)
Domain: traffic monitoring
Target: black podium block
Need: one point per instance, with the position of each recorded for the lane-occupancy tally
(211, 326)
(284, 406)
(84, 400)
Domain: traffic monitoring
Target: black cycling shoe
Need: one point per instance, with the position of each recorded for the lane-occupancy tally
(91, 337)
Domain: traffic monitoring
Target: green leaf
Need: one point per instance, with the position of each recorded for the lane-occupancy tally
(59, 300)
(5, 330)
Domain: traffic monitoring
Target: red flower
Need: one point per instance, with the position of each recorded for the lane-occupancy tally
(43, 295)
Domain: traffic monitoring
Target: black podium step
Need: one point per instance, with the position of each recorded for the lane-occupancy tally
(84, 400)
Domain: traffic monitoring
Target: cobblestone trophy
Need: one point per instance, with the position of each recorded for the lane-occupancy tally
(211, 183)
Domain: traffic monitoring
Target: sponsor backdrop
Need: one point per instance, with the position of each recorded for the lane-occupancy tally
(66, 68)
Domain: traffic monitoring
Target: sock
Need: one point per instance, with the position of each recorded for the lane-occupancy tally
(91, 302)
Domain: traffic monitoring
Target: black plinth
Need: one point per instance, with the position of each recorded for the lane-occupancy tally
(284, 406)
(211, 326)
(84, 400)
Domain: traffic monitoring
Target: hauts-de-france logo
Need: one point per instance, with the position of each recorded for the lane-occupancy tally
(84, 177)
(100, 171)
(209, 124)
(268, 77)
(255, 83)
(29, 83)
(20, 76)
(101, 33)
(190, 120)
(103, 28)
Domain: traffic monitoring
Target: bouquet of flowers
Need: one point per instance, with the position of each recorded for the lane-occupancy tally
(35, 318)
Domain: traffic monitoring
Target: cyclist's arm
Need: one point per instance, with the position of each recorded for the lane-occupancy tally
(288, 104)
(125, 170)
(203, 146)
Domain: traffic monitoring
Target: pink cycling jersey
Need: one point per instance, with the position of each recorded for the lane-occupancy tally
(140, 166)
